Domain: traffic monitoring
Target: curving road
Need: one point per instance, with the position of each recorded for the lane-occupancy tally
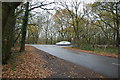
(104, 65)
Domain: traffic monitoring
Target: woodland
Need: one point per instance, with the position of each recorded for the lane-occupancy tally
(88, 26)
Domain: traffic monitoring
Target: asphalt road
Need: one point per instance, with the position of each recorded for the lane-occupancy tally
(101, 64)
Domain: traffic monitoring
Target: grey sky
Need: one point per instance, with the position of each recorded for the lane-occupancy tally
(54, 5)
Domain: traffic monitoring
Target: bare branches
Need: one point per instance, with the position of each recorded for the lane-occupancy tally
(41, 6)
(46, 8)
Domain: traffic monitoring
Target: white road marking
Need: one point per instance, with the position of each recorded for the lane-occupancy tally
(115, 64)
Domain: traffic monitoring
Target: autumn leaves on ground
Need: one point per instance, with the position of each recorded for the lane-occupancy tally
(34, 63)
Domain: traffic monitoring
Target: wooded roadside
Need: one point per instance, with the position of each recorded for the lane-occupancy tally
(34, 63)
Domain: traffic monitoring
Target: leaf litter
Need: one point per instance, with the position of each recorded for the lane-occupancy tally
(34, 63)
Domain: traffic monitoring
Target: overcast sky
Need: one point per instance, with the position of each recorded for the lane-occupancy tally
(88, 1)
(51, 6)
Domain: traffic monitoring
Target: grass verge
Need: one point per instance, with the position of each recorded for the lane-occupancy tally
(109, 52)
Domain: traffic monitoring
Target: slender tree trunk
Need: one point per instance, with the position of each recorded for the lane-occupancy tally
(24, 27)
(46, 32)
(46, 40)
(17, 37)
(118, 24)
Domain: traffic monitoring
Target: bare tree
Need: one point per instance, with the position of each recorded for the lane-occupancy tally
(25, 21)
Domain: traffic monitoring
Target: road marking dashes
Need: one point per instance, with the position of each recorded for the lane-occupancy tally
(116, 64)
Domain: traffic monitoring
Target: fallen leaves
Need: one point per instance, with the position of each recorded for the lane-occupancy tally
(27, 65)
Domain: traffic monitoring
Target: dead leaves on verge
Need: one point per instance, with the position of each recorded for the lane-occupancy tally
(27, 65)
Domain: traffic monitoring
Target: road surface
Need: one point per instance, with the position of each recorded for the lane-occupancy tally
(101, 64)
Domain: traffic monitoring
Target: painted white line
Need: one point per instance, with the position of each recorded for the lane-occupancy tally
(116, 64)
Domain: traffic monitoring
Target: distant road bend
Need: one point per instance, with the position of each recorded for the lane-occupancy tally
(101, 64)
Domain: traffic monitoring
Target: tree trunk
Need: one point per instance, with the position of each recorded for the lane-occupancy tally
(15, 40)
(118, 24)
(8, 25)
(24, 27)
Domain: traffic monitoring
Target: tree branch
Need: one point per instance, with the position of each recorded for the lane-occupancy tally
(41, 5)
